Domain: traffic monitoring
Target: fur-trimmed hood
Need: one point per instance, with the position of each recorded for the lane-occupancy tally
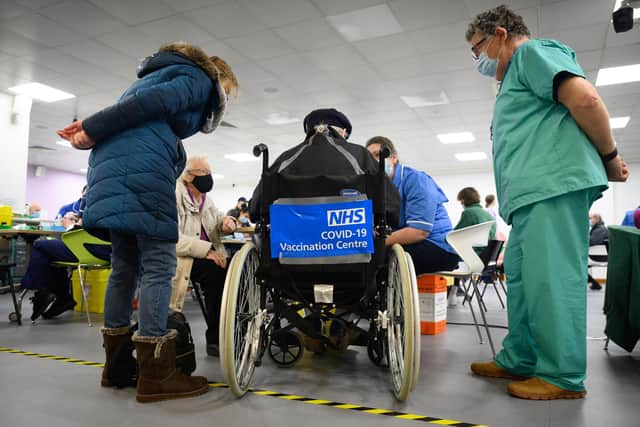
(185, 53)
(195, 54)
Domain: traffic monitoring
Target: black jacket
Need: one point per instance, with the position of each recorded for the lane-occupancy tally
(598, 234)
(328, 155)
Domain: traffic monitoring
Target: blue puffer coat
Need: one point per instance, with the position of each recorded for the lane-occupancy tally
(138, 152)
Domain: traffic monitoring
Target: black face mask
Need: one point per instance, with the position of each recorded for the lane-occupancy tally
(203, 184)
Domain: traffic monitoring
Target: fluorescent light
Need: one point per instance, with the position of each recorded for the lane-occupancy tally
(617, 75)
(83, 170)
(619, 122)
(425, 101)
(367, 23)
(41, 92)
(217, 176)
(465, 157)
(241, 157)
(64, 143)
(280, 119)
(456, 137)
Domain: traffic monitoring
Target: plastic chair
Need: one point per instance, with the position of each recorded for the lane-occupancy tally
(76, 240)
(464, 241)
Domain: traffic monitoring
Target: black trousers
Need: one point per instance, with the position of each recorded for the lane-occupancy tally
(429, 258)
(211, 279)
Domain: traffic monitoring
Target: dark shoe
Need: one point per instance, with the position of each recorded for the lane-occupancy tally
(460, 291)
(158, 378)
(59, 306)
(41, 301)
(490, 369)
(595, 286)
(213, 350)
(538, 389)
(120, 369)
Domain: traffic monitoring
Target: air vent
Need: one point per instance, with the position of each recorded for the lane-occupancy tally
(40, 147)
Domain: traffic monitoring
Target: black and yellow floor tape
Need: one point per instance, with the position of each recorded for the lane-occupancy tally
(284, 396)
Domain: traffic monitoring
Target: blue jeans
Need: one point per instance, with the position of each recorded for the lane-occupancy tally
(151, 262)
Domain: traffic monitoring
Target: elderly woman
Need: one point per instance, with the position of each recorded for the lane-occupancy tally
(201, 256)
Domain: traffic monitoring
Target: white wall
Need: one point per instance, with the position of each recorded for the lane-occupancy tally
(14, 136)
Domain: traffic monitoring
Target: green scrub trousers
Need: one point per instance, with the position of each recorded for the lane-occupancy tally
(546, 267)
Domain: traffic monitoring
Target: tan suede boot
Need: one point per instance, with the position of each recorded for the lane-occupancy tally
(115, 342)
(490, 369)
(538, 389)
(158, 378)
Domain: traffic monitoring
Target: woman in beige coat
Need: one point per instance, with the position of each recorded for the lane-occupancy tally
(201, 255)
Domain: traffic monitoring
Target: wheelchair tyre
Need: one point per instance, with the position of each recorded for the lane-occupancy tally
(401, 323)
(286, 349)
(241, 320)
(416, 321)
(13, 317)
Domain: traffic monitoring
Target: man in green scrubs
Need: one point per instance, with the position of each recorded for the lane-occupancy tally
(553, 153)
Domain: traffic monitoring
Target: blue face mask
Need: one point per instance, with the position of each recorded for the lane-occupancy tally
(486, 66)
(387, 167)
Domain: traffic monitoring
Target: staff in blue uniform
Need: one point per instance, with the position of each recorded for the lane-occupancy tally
(553, 151)
(424, 221)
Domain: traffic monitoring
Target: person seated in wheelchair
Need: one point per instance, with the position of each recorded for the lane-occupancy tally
(202, 257)
(325, 152)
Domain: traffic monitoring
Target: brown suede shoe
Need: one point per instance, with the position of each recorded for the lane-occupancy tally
(538, 389)
(490, 369)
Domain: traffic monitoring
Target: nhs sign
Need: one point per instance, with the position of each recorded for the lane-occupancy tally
(341, 217)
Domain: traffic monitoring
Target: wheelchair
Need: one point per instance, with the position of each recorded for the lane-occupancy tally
(268, 301)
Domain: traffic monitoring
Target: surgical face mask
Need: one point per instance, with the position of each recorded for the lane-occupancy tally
(388, 167)
(486, 66)
(244, 220)
(203, 184)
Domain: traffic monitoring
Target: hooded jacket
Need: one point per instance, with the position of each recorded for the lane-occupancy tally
(327, 155)
(138, 152)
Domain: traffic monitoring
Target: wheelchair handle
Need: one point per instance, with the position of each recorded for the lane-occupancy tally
(260, 149)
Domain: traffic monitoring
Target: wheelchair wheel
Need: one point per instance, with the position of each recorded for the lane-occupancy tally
(286, 349)
(13, 317)
(401, 323)
(416, 321)
(241, 319)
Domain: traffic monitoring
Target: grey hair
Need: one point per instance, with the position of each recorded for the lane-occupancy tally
(324, 128)
(191, 161)
(501, 16)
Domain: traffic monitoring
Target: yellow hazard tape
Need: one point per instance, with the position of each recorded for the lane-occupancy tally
(284, 396)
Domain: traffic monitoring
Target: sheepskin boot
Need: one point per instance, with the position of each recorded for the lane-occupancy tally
(158, 378)
(120, 368)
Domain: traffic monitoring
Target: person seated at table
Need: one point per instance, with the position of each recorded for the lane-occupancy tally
(473, 212)
(34, 209)
(598, 235)
(235, 212)
(243, 216)
(52, 295)
(424, 221)
(202, 257)
(73, 206)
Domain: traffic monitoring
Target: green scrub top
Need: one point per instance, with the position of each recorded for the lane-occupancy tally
(539, 151)
(475, 214)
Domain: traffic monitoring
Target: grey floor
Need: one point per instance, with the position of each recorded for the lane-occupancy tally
(37, 392)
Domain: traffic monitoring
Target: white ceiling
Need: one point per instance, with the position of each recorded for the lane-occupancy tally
(91, 49)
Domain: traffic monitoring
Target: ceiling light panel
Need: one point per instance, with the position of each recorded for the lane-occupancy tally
(41, 92)
(455, 137)
(619, 122)
(367, 23)
(618, 75)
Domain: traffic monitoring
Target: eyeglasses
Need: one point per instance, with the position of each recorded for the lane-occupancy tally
(474, 48)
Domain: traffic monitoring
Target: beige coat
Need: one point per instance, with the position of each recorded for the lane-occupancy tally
(189, 245)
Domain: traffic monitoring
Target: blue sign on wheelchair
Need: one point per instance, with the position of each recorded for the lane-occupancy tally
(321, 230)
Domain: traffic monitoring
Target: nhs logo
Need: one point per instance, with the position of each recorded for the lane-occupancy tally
(345, 217)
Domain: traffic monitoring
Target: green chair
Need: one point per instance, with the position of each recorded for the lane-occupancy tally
(76, 240)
